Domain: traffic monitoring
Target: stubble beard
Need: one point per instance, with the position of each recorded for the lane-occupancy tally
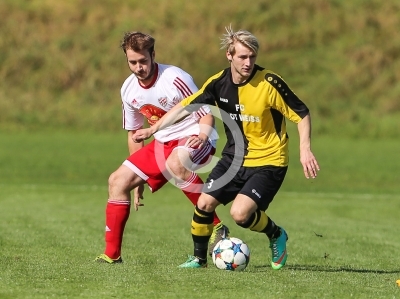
(150, 75)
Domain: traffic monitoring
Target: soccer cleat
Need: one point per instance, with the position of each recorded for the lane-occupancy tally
(220, 232)
(102, 258)
(193, 262)
(278, 249)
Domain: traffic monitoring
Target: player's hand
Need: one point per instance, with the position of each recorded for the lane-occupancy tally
(195, 142)
(141, 135)
(310, 164)
(137, 196)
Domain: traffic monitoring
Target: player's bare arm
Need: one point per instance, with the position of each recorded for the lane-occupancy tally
(206, 124)
(307, 159)
(174, 115)
(138, 191)
(133, 146)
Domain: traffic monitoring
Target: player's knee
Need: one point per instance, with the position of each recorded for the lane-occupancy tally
(116, 181)
(113, 180)
(201, 204)
(239, 217)
(207, 203)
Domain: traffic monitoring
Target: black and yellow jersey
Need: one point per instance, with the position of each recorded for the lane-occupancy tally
(259, 107)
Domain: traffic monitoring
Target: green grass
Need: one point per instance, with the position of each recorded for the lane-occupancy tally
(52, 201)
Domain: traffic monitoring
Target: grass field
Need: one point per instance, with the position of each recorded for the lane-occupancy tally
(52, 198)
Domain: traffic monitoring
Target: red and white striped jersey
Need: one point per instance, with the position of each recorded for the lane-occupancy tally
(169, 86)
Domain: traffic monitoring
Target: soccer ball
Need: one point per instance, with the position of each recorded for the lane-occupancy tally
(231, 254)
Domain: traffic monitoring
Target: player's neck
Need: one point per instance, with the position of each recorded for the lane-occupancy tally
(238, 78)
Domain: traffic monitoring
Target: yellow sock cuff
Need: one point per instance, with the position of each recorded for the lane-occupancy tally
(260, 222)
(201, 230)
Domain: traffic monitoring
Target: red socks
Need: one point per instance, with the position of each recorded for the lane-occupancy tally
(117, 213)
(192, 189)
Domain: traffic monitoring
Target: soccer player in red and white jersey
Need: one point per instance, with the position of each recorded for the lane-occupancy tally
(147, 94)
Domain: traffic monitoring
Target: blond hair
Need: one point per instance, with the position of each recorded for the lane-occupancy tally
(245, 37)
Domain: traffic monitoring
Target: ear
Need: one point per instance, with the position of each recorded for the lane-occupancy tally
(229, 56)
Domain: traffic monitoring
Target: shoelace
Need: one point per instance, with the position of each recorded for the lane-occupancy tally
(274, 247)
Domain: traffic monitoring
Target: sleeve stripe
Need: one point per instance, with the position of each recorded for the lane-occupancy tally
(181, 85)
(201, 112)
(123, 117)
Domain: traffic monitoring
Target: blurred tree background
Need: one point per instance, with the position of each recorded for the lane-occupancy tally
(61, 66)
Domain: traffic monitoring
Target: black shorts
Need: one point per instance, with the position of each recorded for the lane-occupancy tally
(260, 183)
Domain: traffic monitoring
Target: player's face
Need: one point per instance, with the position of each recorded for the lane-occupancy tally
(141, 64)
(242, 62)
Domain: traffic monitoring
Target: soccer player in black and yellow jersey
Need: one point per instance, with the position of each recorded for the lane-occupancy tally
(254, 103)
